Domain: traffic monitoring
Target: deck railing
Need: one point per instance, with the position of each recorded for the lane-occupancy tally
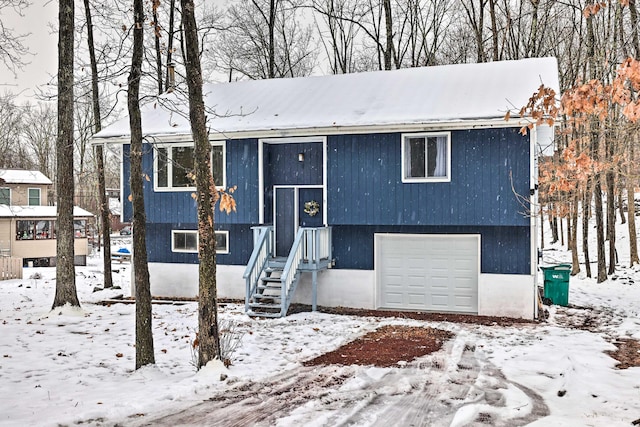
(317, 244)
(295, 258)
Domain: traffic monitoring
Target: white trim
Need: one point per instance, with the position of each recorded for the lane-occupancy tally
(189, 251)
(377, 237)
(426, 179)
(7, 188)
(173, 241)
(261, 171)
(296, 202)
(226, 250)
(169, 146)
(325, 170)
(332, 130)
(122, 199)
(533, 214)
(29, 196)
(261, 182)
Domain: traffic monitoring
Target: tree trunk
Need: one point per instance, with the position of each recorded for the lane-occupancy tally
(597, 199)
(389, 34)
(156, 26)
(144, 335)
(272, 46)
(494, 30)
(99, 153)
(575, 261)
(168, 82)
(623, 219)
(586, 213)
(65, 269)
(611, 220)
(631, 224)
(208, 333)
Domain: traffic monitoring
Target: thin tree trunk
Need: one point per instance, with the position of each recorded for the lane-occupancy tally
(99, 153)
(168, 82)
(611, 220)
(208, 333)
(156, 26)
(494, 30)
(575, 261)
(272, 46)
(389, 34)
(65, 269)
(623, 218)
(586, 213)
(144, 335)
(631, 209)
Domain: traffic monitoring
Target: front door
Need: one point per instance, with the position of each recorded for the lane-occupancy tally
(293, 176)
(295, 207)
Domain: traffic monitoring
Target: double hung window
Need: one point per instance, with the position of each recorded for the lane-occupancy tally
(174, 166)
(426, 157)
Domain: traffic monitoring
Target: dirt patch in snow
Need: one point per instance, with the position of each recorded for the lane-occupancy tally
(386, 347)
(416, 315)
(628, 353)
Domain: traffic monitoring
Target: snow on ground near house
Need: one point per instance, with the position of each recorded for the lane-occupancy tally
(64, 367)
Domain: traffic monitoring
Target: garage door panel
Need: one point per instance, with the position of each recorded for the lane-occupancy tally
(428, 272)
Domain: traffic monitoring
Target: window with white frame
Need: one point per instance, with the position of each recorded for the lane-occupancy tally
(426, 157)
(174, 164)
(34, 196)
(5, 196)
(187, 241)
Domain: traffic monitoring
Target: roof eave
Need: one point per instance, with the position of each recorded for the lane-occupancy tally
(329, 130)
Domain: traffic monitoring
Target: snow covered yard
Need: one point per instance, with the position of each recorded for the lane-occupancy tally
(69, 367)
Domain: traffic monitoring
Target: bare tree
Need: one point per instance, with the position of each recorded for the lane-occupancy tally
(209, 334)
(39, 136)
(65, 269)
(12, 46)
(266, 39)
(105, 223)
(144, 334)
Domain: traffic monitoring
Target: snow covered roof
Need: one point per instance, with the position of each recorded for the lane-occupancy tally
(409, 96)
(21, 176)
(7, 211)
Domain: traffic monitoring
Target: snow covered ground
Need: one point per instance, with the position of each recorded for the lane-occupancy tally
(68, 367)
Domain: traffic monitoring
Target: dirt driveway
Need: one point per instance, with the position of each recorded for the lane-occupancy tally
(455, 385)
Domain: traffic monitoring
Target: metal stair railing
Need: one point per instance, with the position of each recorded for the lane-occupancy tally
(262, 251)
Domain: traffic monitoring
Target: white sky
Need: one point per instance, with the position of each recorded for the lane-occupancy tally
(42, 42)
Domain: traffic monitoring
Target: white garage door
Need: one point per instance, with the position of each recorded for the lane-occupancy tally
(427, 272)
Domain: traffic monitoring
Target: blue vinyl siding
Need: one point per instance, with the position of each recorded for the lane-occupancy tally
(366, 196)
(159, 244)
(365, 184)
(175, 207)
(504, 250)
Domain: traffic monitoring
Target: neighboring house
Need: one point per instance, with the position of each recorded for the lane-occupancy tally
(401, 190)
(23, 188)
(28, 225)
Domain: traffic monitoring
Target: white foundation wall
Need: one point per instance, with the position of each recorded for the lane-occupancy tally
(339, 288)
(347, 288)
(507, 295)
(181, 280)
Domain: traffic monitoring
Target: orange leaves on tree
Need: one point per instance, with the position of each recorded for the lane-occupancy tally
(542, 108)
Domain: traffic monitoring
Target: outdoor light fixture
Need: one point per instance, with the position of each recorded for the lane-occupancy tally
(301, 157)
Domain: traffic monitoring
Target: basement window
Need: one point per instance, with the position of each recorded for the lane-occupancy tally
(187, 241)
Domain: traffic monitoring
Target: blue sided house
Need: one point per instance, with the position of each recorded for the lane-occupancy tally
(400, 190)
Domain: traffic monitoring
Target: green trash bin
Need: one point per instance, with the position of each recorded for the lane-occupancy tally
(556, 283)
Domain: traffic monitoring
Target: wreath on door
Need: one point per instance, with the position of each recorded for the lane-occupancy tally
(311, 207)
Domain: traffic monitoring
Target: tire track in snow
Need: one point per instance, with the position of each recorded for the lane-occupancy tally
(260, 403)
